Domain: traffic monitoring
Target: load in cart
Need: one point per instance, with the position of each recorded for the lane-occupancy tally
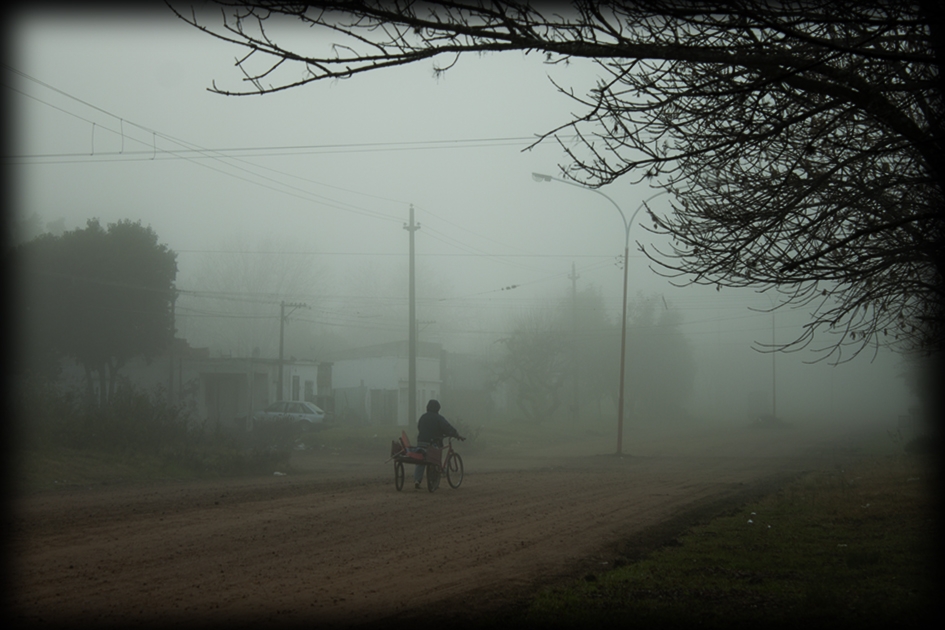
(439, 461)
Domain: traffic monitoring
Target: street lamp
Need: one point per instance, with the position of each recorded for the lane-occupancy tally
(538, 177)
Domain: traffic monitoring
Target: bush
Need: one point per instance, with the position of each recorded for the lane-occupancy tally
(145, 424)
(45, 416)
(138, 421)
(277, 434)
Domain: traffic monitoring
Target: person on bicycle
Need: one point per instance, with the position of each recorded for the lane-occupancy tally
(432, 429)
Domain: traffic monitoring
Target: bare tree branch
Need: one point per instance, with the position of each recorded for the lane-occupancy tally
(802, 141)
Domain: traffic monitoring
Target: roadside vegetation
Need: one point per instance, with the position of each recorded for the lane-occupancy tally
(849, 547)
(65, 440)
(852, 545)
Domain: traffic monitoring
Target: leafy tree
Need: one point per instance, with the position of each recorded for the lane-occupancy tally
(802, 141)
(597, 352)
(540, 359)
(99, 296)
(660, 366)
(548, 348)
(25, 229)
(535, 365)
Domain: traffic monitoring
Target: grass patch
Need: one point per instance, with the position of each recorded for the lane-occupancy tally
(65, 440)
(851, 547)
(62, 467)
(363, 438)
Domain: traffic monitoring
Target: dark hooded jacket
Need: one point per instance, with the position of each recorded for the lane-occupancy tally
(433, 427)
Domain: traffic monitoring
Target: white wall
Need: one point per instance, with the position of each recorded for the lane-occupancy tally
(390, 373)
(375, 373)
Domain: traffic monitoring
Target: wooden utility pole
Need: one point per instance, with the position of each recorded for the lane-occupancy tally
(412, 324)
(575, 372)
(171, 394)
(282, 317)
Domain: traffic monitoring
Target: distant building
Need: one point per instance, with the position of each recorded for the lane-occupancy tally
(361, 386)
(219, 391)
(371, 384)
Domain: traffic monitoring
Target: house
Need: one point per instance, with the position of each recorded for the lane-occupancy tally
(371, 384)
(362, 386)
(219, 391)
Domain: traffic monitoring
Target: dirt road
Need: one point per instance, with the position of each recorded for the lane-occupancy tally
(334, 542)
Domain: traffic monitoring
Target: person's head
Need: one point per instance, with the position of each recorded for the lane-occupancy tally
(433, 406)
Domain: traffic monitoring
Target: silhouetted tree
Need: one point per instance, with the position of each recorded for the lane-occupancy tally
(660, 365)
(597, 349)
(538, 362)
(535, 364)
(802, 141)
(99, 296)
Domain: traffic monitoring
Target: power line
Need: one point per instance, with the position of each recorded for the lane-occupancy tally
(396, 254)
(197, 154)
(276, 151)
(190, 148)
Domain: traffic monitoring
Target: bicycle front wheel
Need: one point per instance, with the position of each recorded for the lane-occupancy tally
(454, 470)
(399, 475)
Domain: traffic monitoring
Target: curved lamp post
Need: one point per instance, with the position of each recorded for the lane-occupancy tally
(538, 177)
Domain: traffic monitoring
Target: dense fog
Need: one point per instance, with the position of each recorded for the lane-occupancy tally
(303, 197)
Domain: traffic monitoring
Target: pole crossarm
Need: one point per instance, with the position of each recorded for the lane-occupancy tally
(293, 306)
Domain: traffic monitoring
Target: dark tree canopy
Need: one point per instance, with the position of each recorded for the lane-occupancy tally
(535, 366)
(546, 349)
(99, 296)
(661, 370)
(802, 141)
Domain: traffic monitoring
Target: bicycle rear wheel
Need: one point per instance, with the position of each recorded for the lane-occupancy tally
(399, 475)
(433, 478)
(454, 470)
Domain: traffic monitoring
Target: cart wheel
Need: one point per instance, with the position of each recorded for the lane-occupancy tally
(454, 470)
(433, 478)
(399, 475)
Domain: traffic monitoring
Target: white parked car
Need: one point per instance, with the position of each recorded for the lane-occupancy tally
(305, 413)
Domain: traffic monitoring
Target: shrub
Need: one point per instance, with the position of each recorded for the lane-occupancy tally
(137, 422)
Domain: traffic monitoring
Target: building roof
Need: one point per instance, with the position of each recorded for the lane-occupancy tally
(397, 349)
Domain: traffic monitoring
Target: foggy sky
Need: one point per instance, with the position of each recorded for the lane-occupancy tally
(113, 120)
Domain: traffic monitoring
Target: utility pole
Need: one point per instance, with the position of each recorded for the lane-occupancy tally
(774, 382)
(623, 337)
(171, 395)
(575, 415)
(412, 323)
(282, 317)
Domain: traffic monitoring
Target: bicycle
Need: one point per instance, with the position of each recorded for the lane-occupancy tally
(438, 461)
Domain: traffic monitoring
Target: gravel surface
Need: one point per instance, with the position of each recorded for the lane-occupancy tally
(334, 542)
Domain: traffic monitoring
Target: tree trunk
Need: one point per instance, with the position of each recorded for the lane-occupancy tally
(102, 387)
(89, 390)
